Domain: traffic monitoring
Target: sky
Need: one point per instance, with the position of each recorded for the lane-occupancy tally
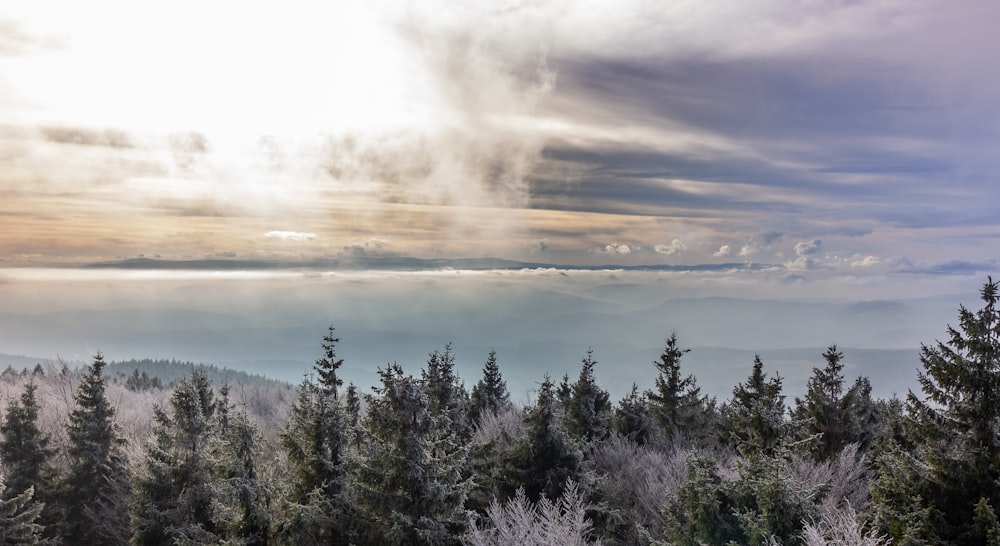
(776, 152)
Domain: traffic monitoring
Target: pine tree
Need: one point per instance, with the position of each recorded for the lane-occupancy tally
(96, 489)
(631, 418)
(19, 518)
(589, 408)
(447, 399)
(959, 422)
(829, 418)
(678, 406)
(549, 458)
(316, 440)
(244, 499)
(409, 484)
(327, 365)
(490, 394)
(176, 495)
(754, 420)
(27, 457)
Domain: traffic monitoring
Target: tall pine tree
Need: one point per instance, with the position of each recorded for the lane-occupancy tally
(589, 408)
(828, 417)
(96, 489)
(754, 420)
(548, 456)
(27, 457)
(176, 495)
(410, 484)
(490, 394)
(678, 406)
(316, 441)
(959, 422)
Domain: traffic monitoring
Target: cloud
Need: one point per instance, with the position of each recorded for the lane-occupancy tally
(290, 235)
(675, 247)
(807, 248)
(946, 267)
(869, 260)
(723, 251)
(369, 247)
(616, 249)
(539, 246)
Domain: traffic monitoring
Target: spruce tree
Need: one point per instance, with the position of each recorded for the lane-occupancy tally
(678, 406)
(409, 483)
(176, 494)
(548, 456)
(959, 421)
(19, 518)
(27, 457)
(754, 420)
(96, 489)
(490, 394)
(447, 399)
(327, 365)
(830, 418)
(589, 408)
(315, 439)
(631, 419)
(244, 499)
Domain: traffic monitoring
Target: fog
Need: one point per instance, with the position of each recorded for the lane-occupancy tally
(538, 321)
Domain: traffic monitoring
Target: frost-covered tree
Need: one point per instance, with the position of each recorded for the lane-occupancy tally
(489, 395)
(175, 498)
(19, 518)
(409, 481)
(96, 488)
(242, 499)
(26, 457)
(447, 398)
(518, 521)
(589, 408)
(315, 440)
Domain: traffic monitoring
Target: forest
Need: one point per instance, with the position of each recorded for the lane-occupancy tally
(115, 454)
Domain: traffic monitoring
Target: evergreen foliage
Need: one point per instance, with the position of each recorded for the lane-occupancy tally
(316, 441)
(19, 518)
(490, 394)
(175, 495)
(631, 417)
(549, 458)
(420, 461)
(754, 420)
(959, 421)
(589, 407)
(409, 479)
(678, 406)
(830, 418)
(96, 488)
(26, 455)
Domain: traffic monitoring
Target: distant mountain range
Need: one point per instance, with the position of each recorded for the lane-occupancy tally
(398, 263)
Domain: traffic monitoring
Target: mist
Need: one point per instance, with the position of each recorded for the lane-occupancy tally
(539, 321)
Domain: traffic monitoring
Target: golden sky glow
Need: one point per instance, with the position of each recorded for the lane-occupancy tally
(587, 132)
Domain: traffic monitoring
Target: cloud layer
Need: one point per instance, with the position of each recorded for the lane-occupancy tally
(849, 136)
